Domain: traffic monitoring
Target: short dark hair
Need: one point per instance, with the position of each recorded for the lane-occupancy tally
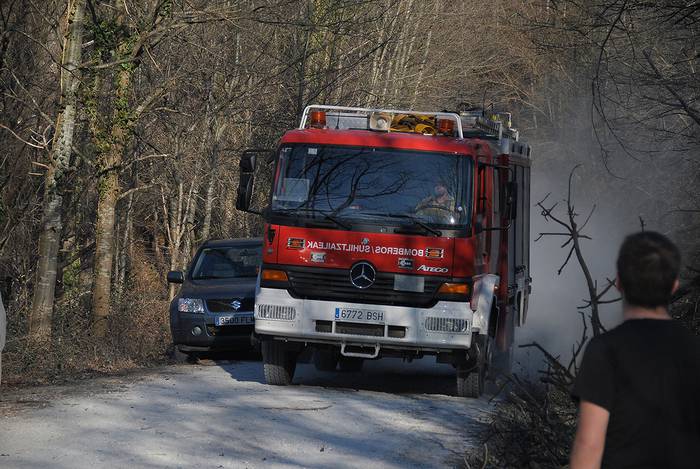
(648, 265)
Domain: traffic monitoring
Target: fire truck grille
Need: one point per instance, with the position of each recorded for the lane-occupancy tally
(335, 285)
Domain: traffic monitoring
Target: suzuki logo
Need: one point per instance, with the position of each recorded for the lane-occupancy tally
(363, 275)
(235, 304)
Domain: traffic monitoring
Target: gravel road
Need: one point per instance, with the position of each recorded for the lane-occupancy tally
(220, 414)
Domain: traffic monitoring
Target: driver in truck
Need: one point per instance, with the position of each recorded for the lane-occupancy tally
(439, 206)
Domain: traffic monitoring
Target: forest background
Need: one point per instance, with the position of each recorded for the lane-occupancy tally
(121, 123)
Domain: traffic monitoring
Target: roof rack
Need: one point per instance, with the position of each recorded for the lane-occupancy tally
(472, 123)
(341, 117)
(496, 124)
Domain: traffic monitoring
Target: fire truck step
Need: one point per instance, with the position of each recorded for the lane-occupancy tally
(360, 351)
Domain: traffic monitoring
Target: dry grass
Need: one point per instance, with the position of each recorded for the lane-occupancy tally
(533, 427)
(139, 335)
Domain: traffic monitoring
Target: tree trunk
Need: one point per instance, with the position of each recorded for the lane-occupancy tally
(172, 214)
(189, 231)
(108, 196)
(211, 183)
(104, 246)
(52, 224)
(214, 132)
(124, 248)
(208, 204)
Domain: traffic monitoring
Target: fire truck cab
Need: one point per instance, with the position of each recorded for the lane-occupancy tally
(393, 233)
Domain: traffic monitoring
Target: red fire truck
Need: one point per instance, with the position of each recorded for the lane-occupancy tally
(393, 234)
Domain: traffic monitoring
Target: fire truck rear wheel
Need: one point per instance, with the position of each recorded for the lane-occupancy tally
(279, 363)
(351, 364)
(326, 360)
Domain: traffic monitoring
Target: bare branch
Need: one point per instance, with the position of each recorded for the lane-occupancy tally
(33, 145)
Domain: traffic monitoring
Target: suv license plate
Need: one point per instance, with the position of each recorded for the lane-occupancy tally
(359, 315)
(235, 320)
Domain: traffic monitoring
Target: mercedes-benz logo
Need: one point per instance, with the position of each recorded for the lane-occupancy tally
(235, 304)
(363, 275)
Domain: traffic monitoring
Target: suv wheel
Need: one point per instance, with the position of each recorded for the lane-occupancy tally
(184, 357)
(279, 363)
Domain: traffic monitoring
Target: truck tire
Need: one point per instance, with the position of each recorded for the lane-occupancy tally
(471, 376)
(351, 364)
(470, 383)
(279, 363)
(326, 360)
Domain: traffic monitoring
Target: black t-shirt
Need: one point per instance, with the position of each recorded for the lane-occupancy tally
(646, 373)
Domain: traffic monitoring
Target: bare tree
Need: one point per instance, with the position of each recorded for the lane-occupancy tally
(59, 163)
(572, 235)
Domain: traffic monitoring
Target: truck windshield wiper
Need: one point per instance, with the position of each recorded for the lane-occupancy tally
(413, 220)
(326, 215)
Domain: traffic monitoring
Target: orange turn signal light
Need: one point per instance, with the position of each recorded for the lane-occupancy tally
(446, 126)
(274, 275)
(295, 243)
(454, 288)
(317, 119)
(434, 253)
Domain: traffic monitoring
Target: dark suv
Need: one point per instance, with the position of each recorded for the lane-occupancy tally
(214, 308)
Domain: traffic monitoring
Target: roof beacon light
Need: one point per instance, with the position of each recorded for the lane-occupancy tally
(446, 127)
(383, 120)
(380, 121)
(317, 119)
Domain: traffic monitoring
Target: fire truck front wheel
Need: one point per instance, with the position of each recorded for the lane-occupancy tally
(471, 376)
(470, 383)
(279, 363)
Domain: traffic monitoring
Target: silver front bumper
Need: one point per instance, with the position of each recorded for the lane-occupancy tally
(307, 312)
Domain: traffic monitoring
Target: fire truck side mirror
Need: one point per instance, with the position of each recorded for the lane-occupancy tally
(245, 182)
(247, 164)
(245, 191)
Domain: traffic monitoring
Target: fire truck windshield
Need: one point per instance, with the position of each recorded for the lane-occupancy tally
(373, 185)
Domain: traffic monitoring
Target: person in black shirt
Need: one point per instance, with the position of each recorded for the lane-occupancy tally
(639, 384)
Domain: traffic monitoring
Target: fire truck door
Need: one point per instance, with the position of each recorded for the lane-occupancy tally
(495, 220)
(521, 244)
(482, 240)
